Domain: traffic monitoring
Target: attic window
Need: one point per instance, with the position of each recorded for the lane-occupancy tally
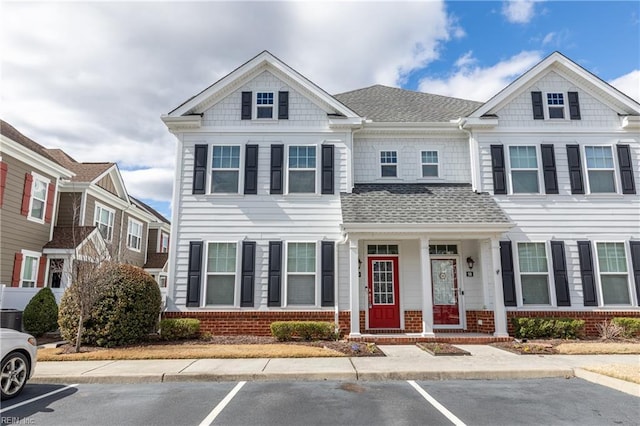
(555, 102)
(264, 105)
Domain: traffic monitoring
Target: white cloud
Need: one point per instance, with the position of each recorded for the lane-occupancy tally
(519, 11)
(629, 84)
(548, 38)
(93, 78)
(470, 81)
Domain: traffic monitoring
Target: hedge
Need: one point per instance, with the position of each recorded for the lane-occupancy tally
(558, 328)
(179, 328)
(630, 326)
(305, 330)
(41, 313)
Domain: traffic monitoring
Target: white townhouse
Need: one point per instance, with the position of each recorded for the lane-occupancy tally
(392, 211)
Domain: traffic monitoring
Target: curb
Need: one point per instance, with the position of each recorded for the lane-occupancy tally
(610, 382)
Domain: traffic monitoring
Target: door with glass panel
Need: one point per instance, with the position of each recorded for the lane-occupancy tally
(384, 306)
(444, 280)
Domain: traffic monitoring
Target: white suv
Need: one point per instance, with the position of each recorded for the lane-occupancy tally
(18, 361)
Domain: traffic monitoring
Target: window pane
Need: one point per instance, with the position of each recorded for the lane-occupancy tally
(611, 257)
(523, 157)
(532, 257)
(301, 290)
(265, 112)
(302, 157)
(602, 181)
(389, 171)
(227, 157)
(555, 98)
(535, 290)
(555, 112)
(222, 257)
(302, 182)
(615, 290)
(37, 209)
(525, 181)
(301, 257)
(220, 289)
(430, 157)
(224, 182)
(29, 268)
(429, 170)
(599, 157)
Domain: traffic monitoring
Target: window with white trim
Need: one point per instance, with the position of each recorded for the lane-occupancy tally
(555, 105)
(134, 234)
(302, 169)
(39, 191)
(103, 220)
(600, 169)
(614, 278)
(265, 105)
(534, 273)
(29, 273)
(225, 169)
(389, 163)
(429, 163)
(523, 161)
(221, 273)
(162, 281)
(301, 274)
(164, 242)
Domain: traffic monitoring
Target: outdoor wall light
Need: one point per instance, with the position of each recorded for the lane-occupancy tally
(470, 262)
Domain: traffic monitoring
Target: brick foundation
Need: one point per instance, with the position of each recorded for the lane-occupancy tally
(591, 318)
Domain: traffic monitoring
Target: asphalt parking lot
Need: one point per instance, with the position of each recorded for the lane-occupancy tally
(462, 402)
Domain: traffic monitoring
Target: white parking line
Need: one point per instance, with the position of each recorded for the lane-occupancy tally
(28, 401)
(448, 414)
(214, 413)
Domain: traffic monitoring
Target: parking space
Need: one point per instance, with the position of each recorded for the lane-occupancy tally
(471, 402)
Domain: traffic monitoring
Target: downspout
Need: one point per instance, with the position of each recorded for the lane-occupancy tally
(475, 181)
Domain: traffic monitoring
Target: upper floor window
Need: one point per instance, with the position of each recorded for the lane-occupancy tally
(104, 218)
(555, 104)
(301, 274)
(389, 163)
(614, 278)
(524, 169)
(264, 104)
(600, 168)
(429, 163)
(302, 169)
(225, 169)
(534, 273)
(221, 274)
(164, 243)
(134, 234)
(38, 204)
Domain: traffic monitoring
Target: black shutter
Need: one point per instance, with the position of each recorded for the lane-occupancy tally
(635, 262)
(194, 273)
(508, 276)
(277, 158)
(587, 274)
(575, 169)
(200, 170)
(251, 169)
(248, 273)
(247, 101)
(328, 273)
(536, 103)
(574, 106)
(626, 169)
(560, 273)
(549, 169)
(497, 165)
(327, 169)
(283, 105)
(275, 273)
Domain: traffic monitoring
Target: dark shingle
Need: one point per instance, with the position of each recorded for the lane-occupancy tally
(390, 104)
(156, 260)
(419, 203)
(69, 237)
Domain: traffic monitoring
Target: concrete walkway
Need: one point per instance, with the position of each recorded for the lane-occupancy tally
(400, 363)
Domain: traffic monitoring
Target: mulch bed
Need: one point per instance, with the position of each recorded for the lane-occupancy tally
(548, 346)
(442, 349)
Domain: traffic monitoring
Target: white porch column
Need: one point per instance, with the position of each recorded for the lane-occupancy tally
(427, 297)
(354, 288)
(499, 310)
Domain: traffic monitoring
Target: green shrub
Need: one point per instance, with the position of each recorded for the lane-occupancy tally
(305, 330)
(558, 328)
(41, 313)
(126, 311)
(630, 326)
(179, 328)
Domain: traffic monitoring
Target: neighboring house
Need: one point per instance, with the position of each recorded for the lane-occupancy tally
(157, 259)
(391, 211)
(93, 214)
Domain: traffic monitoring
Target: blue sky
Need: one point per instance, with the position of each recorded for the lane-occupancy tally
(93, 78)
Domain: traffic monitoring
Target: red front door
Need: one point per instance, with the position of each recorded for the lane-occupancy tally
(384, 309)
(444, 279)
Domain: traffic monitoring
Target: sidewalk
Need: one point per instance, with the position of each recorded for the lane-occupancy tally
(401, 363)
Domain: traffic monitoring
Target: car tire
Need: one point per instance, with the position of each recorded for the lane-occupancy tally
(14, 374)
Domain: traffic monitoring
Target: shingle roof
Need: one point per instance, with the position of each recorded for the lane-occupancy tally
(156, 260)
(419, 204)
(85, 172)
(150, 209)
(12, 133)
(69, 237)
(389, 104)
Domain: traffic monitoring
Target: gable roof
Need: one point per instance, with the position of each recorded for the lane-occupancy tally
(263, 61)
(620, 101)
(149, 209)
(156, 260)
(390, 104)
(69, 237)
(85, 172)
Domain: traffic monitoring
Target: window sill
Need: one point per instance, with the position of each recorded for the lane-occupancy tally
(35, 220)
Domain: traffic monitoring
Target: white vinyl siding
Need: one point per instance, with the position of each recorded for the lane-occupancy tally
(534, 273)
(134, 234)
(104, 218)
(221, 274)
(614, 278)
(301, 274)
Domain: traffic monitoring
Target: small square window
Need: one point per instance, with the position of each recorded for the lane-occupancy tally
(264, 104)
(389, 163)
(555, 103)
